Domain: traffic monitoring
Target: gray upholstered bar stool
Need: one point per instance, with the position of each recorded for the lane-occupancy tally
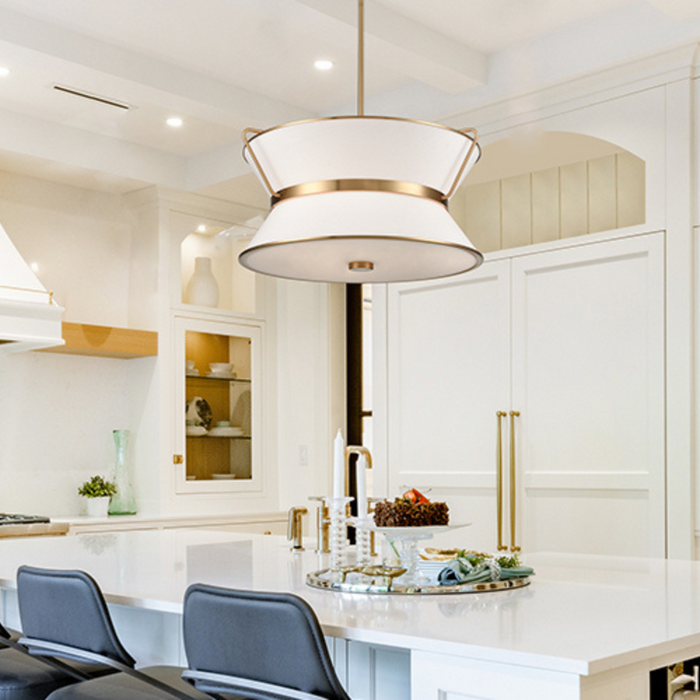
(25, 678)
(258, 645)
(64, 616)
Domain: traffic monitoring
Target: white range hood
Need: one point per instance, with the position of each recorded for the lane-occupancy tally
(29, 317)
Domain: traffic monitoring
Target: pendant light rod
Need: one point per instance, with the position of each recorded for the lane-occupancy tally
(360, 58)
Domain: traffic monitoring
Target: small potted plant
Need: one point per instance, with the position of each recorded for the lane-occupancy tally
(98, 491)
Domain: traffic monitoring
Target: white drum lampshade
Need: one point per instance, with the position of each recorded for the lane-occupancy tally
(361, 199)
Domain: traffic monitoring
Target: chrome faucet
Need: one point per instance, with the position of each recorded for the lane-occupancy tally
(295, 530)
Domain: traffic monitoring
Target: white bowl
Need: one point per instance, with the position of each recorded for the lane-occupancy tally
(221, 367)
(226, 432)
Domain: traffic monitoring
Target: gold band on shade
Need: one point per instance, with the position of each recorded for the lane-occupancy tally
(471, 258)
(359, 185)
(359, 117)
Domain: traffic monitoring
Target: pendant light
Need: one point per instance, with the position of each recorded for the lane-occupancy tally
(360, 198)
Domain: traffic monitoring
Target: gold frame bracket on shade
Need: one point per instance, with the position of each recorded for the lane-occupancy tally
(412, 189)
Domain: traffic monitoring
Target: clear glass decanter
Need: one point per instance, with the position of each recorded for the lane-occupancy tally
(123, 502)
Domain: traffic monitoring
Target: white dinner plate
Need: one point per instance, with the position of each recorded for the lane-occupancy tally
(226, 432)
(418, 531)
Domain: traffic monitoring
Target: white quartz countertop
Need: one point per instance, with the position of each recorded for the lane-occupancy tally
(177, 520)
(32, 529)
(581, 614)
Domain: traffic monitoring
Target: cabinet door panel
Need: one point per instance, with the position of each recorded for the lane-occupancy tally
(588, 372)
(449, 357)
(213, 462)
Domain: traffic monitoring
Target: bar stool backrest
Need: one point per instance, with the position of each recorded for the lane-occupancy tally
(248, 640)
(67, 609)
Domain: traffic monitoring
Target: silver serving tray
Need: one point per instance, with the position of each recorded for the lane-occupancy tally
(320, 579)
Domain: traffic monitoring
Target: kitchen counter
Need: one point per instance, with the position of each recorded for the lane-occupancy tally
(587, 627)
(273, 523)
(34, 529)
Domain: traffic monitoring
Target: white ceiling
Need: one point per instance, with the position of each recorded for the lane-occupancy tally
(223, 65)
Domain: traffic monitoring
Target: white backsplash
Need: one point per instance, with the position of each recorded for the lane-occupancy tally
(58, 413)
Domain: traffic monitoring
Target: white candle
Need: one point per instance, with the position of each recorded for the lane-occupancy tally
(361, 486)
(339, 466)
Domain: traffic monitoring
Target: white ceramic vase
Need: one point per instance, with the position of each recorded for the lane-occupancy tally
(98, 507)
(202, 289)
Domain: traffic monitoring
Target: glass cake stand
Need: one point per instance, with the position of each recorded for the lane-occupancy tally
(407, 539)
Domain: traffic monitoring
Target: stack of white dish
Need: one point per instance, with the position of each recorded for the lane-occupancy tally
(195, 430)
(431, 569)
(223, 370)
(225, 429)
(220, 477)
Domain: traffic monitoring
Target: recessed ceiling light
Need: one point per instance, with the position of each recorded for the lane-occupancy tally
(174, 121)
(201, 228)
(323, 64)
(4, 71)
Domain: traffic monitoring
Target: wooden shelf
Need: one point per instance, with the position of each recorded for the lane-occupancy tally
(106, 341)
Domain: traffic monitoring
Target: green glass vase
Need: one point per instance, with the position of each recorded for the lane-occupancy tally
(123, 502)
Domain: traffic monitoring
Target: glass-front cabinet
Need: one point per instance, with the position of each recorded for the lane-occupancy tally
(218, 407)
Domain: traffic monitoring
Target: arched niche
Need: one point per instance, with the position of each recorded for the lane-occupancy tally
(544, 186)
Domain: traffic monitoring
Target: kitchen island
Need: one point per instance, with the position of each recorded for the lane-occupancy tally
(588, 628)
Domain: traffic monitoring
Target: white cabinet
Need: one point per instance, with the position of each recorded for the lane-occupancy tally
(449, 372)
(221, 449)
(260, 523)
(572, 340)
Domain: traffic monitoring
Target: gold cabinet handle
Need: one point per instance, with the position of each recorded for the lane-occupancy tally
(513, 547)
(499, 481)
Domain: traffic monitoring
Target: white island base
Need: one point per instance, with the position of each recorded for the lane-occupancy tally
(588, 628)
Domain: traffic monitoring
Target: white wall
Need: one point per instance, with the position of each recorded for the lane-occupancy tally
(80, 240)
(111, 261)
(58, 415)
(60, 410)
(307, 370)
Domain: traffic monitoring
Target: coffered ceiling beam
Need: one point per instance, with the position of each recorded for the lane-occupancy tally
(410, 48)
(678, 9)
(67, 147)
(138, 76)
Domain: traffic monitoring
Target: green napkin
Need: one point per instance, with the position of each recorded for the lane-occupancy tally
(474, 569)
